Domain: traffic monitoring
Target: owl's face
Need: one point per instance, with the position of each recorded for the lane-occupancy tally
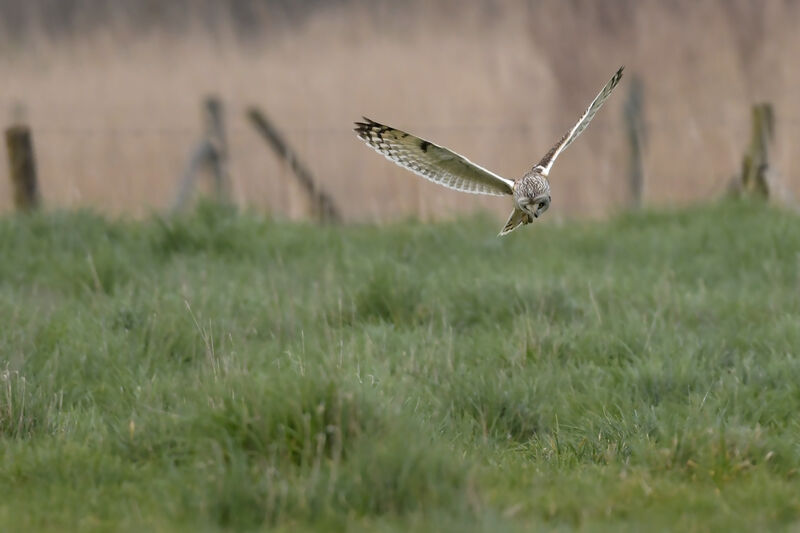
(536, 205)
(532, 194)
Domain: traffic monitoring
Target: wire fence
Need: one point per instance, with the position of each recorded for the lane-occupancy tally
(137, 168)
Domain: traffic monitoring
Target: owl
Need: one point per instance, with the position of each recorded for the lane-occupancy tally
(531, 192)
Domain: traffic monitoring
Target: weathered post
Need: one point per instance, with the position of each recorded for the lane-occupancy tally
(321, 202)
(755, 163)
(22, 168)
(634, 121)
(210, 150)
(218, 156)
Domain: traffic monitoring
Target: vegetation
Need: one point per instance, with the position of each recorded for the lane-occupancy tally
(113, 92)
(224, 371)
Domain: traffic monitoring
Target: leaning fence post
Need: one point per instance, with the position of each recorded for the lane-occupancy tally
(634, 120)
(322, 203)
(22, 168)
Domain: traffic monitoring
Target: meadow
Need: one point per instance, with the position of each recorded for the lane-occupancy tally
(220, 370)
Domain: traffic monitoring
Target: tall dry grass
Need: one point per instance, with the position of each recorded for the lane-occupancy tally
(115, 112)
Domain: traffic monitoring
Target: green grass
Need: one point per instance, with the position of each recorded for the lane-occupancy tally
(221, 371)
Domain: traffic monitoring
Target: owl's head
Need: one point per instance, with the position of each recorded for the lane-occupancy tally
(536, 205)
(532, 194)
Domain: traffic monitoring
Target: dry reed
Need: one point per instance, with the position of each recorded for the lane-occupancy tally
(115, 113)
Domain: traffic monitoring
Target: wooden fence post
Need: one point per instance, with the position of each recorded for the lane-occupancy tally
(215, 133)
(22, 168)
(322, 203)
(211, 150)
(634, 120)
(755, 163)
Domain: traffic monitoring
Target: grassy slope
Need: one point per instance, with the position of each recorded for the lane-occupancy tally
(227, 371)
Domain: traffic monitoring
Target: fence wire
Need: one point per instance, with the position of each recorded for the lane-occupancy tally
(136, 168)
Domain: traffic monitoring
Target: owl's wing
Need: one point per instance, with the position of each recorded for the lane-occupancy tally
(547, 161)
(431, 161)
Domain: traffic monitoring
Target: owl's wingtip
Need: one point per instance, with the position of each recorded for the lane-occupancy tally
(361, 128)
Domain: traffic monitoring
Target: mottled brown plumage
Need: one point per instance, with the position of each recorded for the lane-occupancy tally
(440, 165)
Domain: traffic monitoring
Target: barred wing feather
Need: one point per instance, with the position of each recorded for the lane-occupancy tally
(547, 161)
(432, 162)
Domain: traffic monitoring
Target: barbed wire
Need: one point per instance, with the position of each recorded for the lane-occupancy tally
(191, 133)
(479, 127)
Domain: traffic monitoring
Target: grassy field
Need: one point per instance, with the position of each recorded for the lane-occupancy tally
(223, 371)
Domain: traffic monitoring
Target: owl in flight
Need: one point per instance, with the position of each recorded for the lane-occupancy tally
(438, 164)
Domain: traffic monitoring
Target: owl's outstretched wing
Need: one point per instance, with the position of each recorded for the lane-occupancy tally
(431, 161)
(547, 161)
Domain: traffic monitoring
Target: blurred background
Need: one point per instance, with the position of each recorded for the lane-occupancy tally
(113, 92)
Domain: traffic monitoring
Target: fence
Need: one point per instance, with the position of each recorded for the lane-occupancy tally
(291, 178)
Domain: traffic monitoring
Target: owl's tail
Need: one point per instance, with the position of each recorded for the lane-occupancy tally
(518, 217)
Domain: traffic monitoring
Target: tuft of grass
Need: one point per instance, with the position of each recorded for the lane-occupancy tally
(223, 371)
